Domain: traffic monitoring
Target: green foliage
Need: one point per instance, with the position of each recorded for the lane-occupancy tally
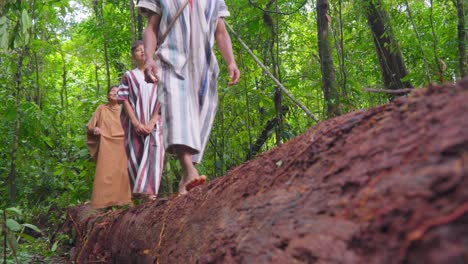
(63, 80)
(16, 236)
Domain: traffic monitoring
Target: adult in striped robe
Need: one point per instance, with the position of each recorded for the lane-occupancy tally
(143, 128)
(187, 71)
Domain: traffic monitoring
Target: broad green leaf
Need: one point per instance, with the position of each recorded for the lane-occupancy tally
(33, 227)
(4, 35)
(13, 225)
(14, 210)
(27, 237)
(83, 153)
(26, 22)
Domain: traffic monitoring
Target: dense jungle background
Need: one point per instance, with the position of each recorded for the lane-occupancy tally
(331, 56)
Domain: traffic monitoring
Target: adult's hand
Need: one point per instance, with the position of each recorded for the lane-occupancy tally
(147, 129)
(234, 74)
(96, 131)
(141, 129)
(151, 71)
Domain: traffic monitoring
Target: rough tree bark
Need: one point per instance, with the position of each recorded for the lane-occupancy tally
(390, 58)
(386, 185)
(329, 86)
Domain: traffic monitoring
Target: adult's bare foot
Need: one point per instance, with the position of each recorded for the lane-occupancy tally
(182, 190)
(144, 196)
(195, 182)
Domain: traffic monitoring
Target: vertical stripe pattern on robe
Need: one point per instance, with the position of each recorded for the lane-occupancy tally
(145, 153)
(188, 71)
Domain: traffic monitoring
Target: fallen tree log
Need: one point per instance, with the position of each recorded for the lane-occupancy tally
(386, 185)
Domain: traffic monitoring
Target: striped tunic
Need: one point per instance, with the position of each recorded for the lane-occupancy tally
(188, 71)
(145, 153)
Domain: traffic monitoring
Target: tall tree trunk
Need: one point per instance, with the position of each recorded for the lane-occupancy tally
(221, 138)
(15, 144)
(132, 18)
(64, 92)
(462, 39)
(278, 97)
(264, 135)
(140, 26)
(96, 75)
(100, 23)
(106, 54)
(247, 103)
(389, 54)
(329, 86)
(270, 125)
(437, 60)
(38, 93)
(415, 28)
(340, 50)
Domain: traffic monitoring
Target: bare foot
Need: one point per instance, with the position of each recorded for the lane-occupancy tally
(182, 190)
(144, 196)
(195, 182)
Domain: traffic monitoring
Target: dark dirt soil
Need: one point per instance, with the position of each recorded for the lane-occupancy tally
(386, 185)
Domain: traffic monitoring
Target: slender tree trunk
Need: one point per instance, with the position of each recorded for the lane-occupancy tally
(278, 93)
(221, 137)
(16, 137)
(341, 55)
(132, 18)
(329, 86)
(415, 28)
(264, 135)
(389, 54)
(64, 92)
(38, 93)
(278, 97)
(247, 103)
(38, 96)
(462, 38)
(140, 26)
(100, 23)
(437, 60)
(96, 75)
(106, 54)
(257, 146)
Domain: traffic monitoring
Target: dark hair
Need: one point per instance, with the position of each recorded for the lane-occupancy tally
(111, 87)
(136, 44)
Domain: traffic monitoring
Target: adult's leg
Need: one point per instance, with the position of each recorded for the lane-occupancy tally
(190, 176)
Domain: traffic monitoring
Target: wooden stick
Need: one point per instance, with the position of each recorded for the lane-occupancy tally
(307, 111)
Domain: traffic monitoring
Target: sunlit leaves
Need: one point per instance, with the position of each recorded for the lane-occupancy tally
(4, 35)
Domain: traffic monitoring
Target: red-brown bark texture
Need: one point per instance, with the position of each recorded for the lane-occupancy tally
(385, 185)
